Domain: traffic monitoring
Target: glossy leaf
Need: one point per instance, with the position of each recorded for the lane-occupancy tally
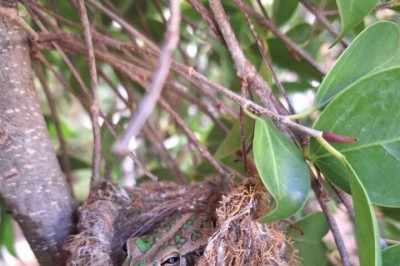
(232, 142)
(377, 47)
(6, 230)
(282, 169)
(353, 12)
(367, 110)
(308, 241)
(391, 255)
(283, 57)
(369, 248)
(282, 10)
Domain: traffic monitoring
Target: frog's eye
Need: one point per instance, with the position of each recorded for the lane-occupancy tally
(171, 259)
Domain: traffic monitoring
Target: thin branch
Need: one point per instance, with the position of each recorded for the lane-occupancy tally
(70, 65)
(321, 196)
(324, 22)
(263, 11)
(174, 88)
(130, 70)
(286, 40)
(244, 69)
(243, 102)
(94, 107)
(208, 19)
(345, 199)
(136, 74)
(153, 134)
(265, 57)
(243, 89)
(201, 148)
(108, 124)
(125, 25)
(149, 100)
(125, 68)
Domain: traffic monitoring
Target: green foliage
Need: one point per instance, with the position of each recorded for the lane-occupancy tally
(363, 110)
(282, 169)
(231, 142)
(352, 12)
(307, 234)
(376, 48)
(6, 230)
(282, 10)
(391, 255)
(369, 248)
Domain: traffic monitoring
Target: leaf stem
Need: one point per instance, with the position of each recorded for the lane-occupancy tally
(328, 147)
(250, 114)
(305, 113)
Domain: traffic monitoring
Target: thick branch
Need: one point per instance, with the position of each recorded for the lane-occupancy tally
(31, 181)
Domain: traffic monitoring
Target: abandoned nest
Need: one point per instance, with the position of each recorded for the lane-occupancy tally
(112, 214)
(239, 239)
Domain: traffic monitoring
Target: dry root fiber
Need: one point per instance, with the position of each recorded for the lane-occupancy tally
(239, 239)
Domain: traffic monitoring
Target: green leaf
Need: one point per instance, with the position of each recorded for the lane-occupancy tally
(232, 142)
(391, 229)
(367, 232)
(367, 110)
(353, 12)
(282, 10)
(308, 241)
(300, 33)
(282, 169)
(391, 256)
(6, 230)
(282, 57)
(377, 47)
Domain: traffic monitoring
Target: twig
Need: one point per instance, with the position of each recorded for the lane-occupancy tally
(286, 40)
(153, 134)
(244, 69)
(344, 199)
(174, 88)
(94, 106)
(124, 24)
(208, 19)
(70, 65)
(322, 19)
(265, 57)
(321, 196)
(148, 102)
(243, 89)
(86, 105)
(243, 102)
(191, 73)
(201, 148)
(388, 5)
(260, 5)
(125, 68)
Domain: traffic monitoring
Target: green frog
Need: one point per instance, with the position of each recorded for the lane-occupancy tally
(180, 241)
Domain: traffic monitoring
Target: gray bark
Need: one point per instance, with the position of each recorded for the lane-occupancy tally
(31, 181)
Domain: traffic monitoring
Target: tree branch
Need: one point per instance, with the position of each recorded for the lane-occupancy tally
(149, 100)
(94, 107)
(31, 181)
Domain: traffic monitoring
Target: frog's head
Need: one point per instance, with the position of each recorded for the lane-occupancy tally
(180, 241)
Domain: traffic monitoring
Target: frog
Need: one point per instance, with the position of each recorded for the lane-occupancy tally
(179, 241)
